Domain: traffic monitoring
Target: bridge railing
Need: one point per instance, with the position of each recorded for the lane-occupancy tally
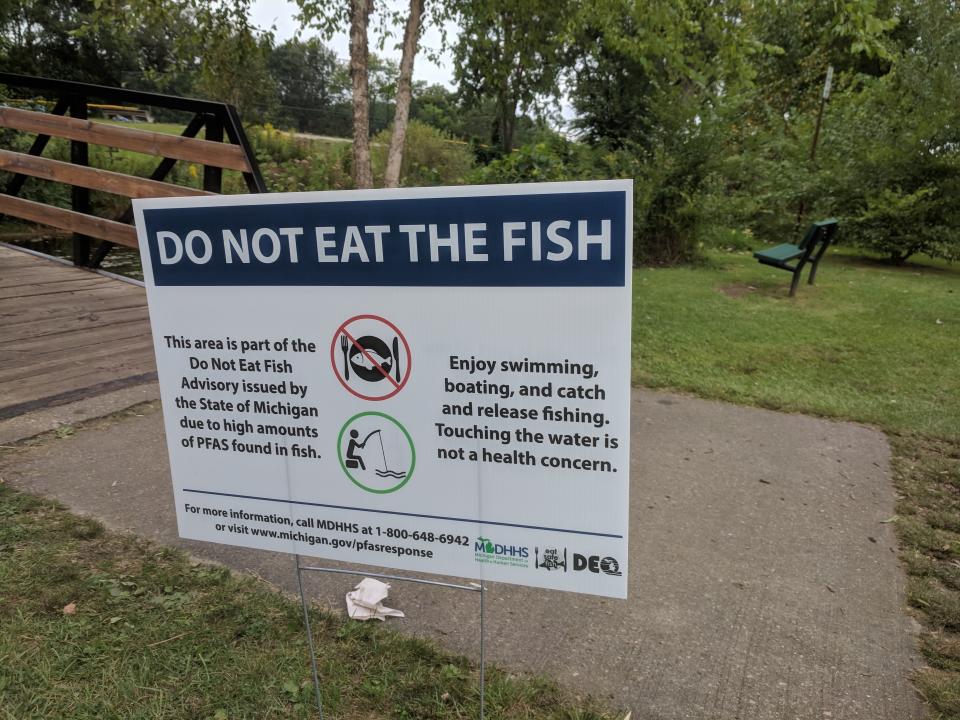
(224, 146)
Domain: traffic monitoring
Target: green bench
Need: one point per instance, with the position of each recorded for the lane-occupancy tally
(810, 250)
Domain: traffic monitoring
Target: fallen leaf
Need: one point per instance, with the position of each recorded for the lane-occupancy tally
(70, 609)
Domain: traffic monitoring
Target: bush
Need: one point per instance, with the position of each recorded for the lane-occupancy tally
(292, 164)
(666, 209)
(430, 157)
(271, 145)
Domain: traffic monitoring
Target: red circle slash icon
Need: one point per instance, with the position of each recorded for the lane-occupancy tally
(370, 357)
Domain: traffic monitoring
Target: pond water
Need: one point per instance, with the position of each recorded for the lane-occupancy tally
(121, 260)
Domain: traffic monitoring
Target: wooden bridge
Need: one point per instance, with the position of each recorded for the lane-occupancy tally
(67, 334)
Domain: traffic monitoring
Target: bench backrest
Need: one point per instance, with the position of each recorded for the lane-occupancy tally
(820, 232)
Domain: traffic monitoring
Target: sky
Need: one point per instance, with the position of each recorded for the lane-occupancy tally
(281, 15)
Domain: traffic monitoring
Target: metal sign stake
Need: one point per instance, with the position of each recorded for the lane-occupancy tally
(472, 587)
(306, 624)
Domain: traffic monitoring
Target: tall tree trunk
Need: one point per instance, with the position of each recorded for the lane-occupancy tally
(359, 60)
(401, 115)
(508, 122)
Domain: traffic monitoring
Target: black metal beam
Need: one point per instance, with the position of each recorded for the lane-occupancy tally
(80, 196)
(104, 92)
(160, 173)
(213, 176)
(237, 136)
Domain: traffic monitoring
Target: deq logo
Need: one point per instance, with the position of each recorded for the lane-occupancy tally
(485, 550)
(596, 564)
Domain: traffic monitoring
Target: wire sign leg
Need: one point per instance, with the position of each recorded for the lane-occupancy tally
(313, 652)
(483, 592)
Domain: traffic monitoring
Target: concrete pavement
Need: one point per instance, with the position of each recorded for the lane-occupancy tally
(765, 584)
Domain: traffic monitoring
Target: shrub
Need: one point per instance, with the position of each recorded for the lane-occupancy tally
(292, 164)
(430, 157)
(665, 210)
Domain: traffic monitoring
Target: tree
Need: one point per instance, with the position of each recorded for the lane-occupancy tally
(383, 75)
(511, 50)
(411, 37)
(853, 37)
(207, 42)
(892, 159)
(436, 106)
(359, 56)
(631, 56)
(40, 37)
(234, 67)
(307, 77)
(330, 15)
(652, 78)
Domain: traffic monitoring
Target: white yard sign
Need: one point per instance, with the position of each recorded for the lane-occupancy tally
(435, 380)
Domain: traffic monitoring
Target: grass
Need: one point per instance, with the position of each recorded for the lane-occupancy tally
(927, 471)
(870, 343)
(95, 624)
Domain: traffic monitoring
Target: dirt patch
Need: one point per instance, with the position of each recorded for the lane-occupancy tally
(738, 290)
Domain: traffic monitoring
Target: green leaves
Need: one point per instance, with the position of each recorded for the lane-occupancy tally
(512, 51)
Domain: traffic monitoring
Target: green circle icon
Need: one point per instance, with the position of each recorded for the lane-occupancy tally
(365, 458)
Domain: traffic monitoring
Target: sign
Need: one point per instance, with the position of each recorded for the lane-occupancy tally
(434, 380)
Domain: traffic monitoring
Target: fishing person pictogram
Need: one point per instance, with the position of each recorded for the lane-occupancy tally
(356, 461)
(360, 438)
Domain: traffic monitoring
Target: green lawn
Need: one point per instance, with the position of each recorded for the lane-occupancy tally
(868, 342)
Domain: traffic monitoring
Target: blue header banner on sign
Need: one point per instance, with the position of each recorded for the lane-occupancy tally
(573, 239)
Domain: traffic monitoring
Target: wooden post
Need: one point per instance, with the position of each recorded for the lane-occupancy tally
(80, 196)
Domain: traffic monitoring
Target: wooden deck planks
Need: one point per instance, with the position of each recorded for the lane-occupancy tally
(68, 327)
(67, 334)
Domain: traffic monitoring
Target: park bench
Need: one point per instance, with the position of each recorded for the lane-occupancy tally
(810, 250)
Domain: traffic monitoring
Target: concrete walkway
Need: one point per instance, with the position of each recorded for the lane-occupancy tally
(765, 584)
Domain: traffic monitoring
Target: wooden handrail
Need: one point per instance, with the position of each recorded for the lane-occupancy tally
(93, 178)
(206, 152)
(70, 220)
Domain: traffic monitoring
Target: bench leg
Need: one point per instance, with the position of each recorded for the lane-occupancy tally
(813, 271)
(796, 279)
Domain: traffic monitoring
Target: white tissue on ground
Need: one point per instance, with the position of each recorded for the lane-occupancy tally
(365, 601)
